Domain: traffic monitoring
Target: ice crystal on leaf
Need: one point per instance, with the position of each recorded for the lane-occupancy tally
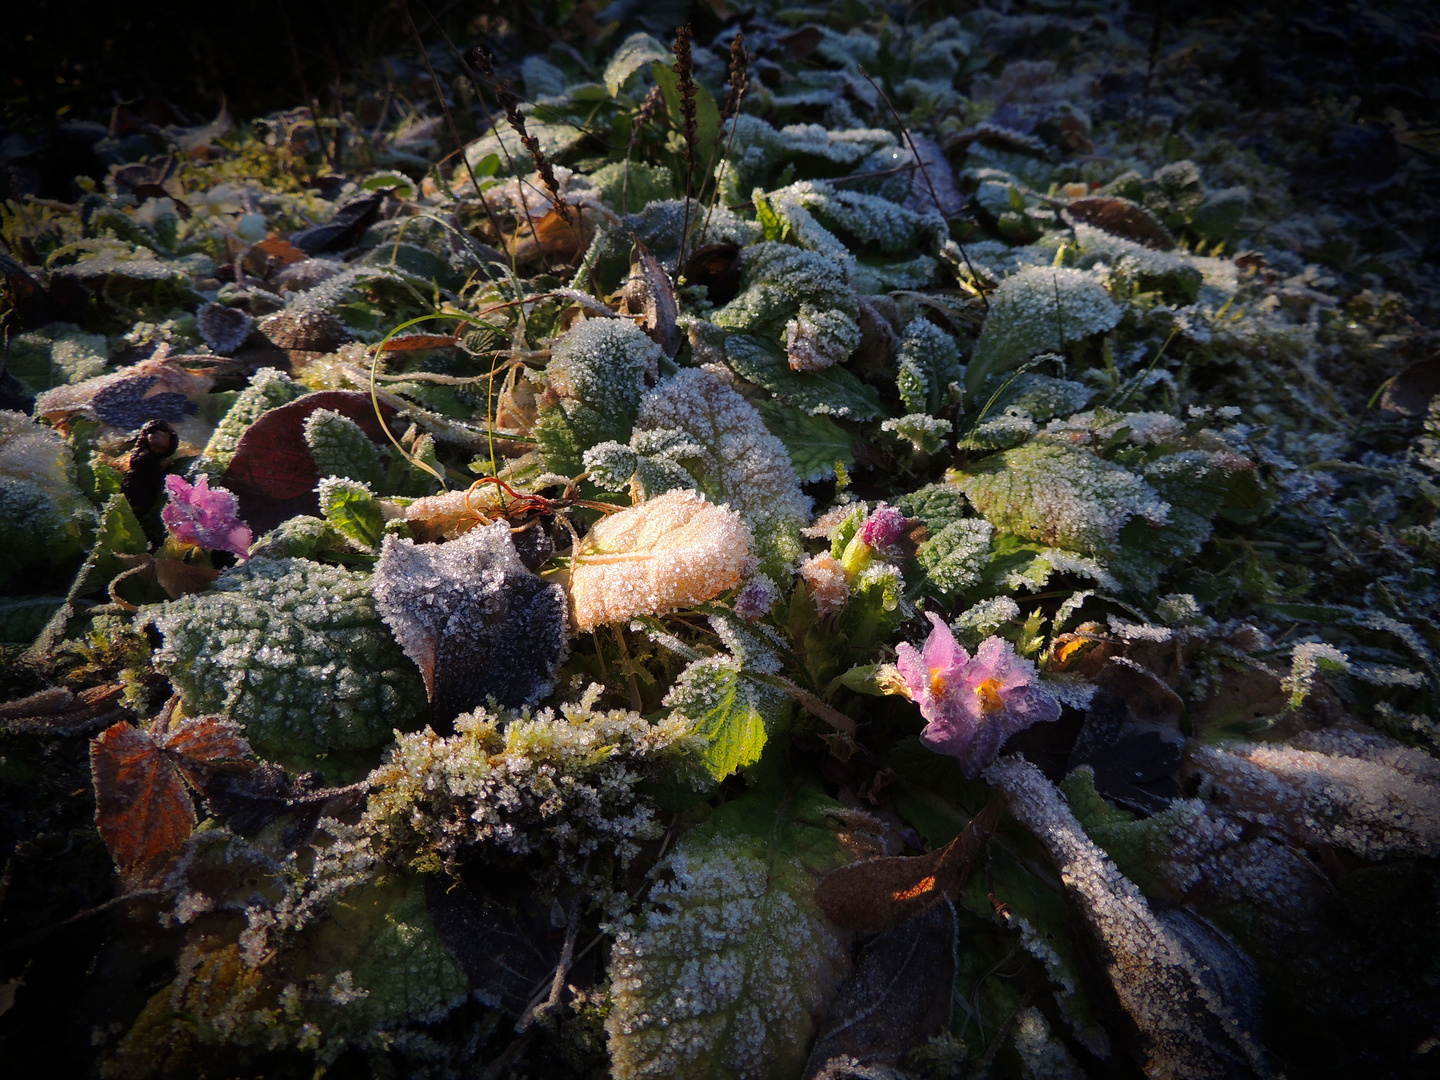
(268, 389)
(730, 965)
(972, 704)
(1061, 494)
(1039, 310)
(732, 712)
(292, 650)
(1186, 1027)
(341, 448)
(920, 430)
(208, 518)
(473, 618)
(42, 512)
(928, 367)
(554, 788)
(826, 580)
(594, 383)
(673, 552)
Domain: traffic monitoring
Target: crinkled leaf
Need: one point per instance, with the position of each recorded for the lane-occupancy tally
(733, 712)
(729, 968)
(295, 652)
(474, 619)
(673, 552)
(352, 509)
(834, 391)
(340, 447)
(955, 557)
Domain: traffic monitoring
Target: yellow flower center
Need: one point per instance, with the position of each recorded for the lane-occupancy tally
(989, 694)
(937, 682)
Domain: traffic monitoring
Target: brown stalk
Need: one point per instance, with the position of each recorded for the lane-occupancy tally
(684, 67)
(511, 104)
(653, 100)
(920, 161)
(739, 82)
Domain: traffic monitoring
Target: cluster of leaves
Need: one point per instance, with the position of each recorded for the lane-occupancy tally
(532, 555)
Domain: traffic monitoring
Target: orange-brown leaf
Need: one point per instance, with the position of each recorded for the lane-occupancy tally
(142, 808)
(877, 894)
(411, 342)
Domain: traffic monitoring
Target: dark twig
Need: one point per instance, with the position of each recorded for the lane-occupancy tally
(511, 104)
(79, 916)
(739, 82)
(653, 100)
(935, 197)
(684, 67)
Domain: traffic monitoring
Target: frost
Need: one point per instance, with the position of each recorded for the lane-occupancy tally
(42, 512)
(555, 788)
(928, 367)
(733, 713)
(268, 389)
(1356, 790)
(955, 557)
(1042, 1055)
(1308, 660)
(673, 552)
(594, 383)
(833, 392)
(1060, 494)
(825, 578)
(292, 650)
(727, 970)
(341, 448)
(923, 432)
(1039, 310)
(1186, 1027)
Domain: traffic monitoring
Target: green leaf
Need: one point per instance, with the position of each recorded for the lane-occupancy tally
(295, 652)
(634, 53)
(120, 530)
(815, 443)
(352, 509)
(733, 712)
(955, 557)
(340, 447)
(707, 116)
(727, 972)
(834, 391)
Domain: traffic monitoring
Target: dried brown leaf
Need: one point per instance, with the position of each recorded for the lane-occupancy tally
(650, 297)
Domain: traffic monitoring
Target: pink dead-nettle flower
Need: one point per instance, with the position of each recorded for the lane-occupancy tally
(883, 528)
(210, 519)
(973, 704)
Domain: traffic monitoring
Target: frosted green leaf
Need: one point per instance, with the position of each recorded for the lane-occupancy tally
(955, 557)
(398, 971)
(1173, 275)
(924, 432)
(834, 392)
(728, 970)
(759, 151)
(721, 440)
(42, 512)
(1060, 494)
(55, 355)
(937, 505)
(595, 380)
(928, 363)
(268, 389)
(734, 713)
(634, 53)
(815, 443)
(1043, 397)
(1010, 428)
(1040, 309)
(353, 510)
(648, 183)
(341, 448)
(542, 78)
(295, 652)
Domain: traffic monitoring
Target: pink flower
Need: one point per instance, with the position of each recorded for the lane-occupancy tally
(210, 519)
(972, 704)
(883, 527)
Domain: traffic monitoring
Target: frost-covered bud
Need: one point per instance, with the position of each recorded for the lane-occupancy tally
(756, 598)
(883, 528)
(826, 579)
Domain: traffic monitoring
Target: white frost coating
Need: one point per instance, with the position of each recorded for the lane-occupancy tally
(675, 551)
(738, 457)
(1042, 1056)
(1307, 661)
(1357, 790)
(724, 974)
(1186, 1031)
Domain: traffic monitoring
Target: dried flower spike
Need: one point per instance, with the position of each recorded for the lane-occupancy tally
(972, 704)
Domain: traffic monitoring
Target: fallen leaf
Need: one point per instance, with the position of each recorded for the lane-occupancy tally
(675, 551)
(411, 342)
(58, 711)
(282, 253)
(897, 997)
(879, 894)
(343, 230)
(272, 472)
(474, 619)
(253, 799)
(155, 389)
(562, 236)
(1410, 392)
(142, 808)
(223, 328)
(650, 297)
(1120, 217)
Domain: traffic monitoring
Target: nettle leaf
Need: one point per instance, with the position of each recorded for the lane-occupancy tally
(727, 971)
(295, 652)
(927, 363)
(268, 389)
(351, 507)
(594, 382)
(835, 391)
(1060, 494)
(1039, 310)
(815, 443)
(142, 806)
(955, 558)
(673, 552)
(340, 447)
(733, 712)
(475, 620)
(922, 431)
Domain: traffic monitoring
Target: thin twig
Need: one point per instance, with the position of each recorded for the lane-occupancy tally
(79, 916)
(920, 161)
(684, 68)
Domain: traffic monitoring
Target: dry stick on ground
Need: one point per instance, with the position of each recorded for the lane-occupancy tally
(934, 195)
(739, 82)
(684, 67)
